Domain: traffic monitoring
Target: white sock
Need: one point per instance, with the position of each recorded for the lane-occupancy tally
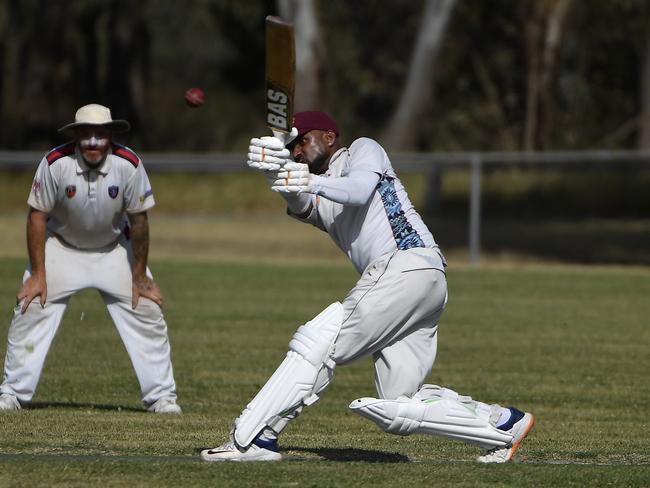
(268, 434)
(504, 417)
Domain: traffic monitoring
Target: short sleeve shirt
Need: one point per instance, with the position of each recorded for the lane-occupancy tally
(87, 207)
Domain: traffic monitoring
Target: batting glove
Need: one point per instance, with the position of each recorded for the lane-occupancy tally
(267, 154)
(293, 178)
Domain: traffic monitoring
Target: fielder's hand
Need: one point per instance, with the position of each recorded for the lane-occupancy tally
(293, 178)
(267, 154)
(33, 287)
(145, 287)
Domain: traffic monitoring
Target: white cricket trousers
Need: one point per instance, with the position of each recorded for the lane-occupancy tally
(69, 270)
(393, 313)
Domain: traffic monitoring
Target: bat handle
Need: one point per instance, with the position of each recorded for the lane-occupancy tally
(285, 137)
(279, 134)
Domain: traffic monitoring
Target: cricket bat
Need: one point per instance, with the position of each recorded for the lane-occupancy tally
(280, 75)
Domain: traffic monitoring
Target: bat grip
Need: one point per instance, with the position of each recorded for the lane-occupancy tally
(278, 134)
(285, 137)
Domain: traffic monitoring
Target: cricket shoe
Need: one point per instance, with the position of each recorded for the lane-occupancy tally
(259, 450)
(9, 402)
(165, 405)
(519, 425)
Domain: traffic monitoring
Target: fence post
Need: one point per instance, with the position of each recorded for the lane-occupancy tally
(475, 210)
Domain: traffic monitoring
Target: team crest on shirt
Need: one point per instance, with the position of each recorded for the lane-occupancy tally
(113, 191)
(37, 185)
(70, 191)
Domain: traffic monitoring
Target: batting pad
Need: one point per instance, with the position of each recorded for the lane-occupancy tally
(304, 373)
(439, 416)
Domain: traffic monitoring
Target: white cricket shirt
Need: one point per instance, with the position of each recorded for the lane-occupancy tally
(387, 222)
(87, 207)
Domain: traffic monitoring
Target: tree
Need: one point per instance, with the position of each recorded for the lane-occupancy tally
(544, 25)
(3, 55)
(45, 66)
(644, 117)
(402, 130)
(129, 63)
(310, 52)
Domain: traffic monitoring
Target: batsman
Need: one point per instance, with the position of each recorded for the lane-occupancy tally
(391, 313)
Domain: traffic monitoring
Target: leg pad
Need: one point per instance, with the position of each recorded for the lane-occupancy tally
(436, 416)
(305, 372)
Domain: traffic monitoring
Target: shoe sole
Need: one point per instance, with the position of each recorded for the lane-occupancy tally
(515, 445)
(174, 411)
(242, 460)
(276, 456)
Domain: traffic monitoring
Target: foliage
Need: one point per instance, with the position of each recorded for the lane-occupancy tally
(140, 56)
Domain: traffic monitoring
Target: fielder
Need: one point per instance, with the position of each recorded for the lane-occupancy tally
(87, 228)
(392, 312)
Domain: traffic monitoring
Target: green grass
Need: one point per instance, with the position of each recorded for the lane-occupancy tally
(567, 343)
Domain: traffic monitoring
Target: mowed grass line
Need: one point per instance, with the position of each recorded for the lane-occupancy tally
(567, 343)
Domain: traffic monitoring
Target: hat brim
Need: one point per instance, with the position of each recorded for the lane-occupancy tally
(115, 126)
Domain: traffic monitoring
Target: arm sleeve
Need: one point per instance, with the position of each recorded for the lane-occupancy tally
(298, 204)
(356, 185)
(44, 188)
(302, 207)
(138, 194)
(355, 189)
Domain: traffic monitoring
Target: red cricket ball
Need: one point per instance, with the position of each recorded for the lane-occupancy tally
(194, 97)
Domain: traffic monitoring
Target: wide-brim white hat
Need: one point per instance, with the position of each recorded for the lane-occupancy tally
(95, 114)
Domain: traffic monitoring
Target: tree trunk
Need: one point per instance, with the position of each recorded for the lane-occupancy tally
(3, 67)
(310, 52)
(554, 30)
(644, 118)
(506, 139)
(544, 26)
(533, 32)
(128, 70)
(45, 67)
(402, 131)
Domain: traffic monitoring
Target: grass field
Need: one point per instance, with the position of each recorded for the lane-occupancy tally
(568, 343)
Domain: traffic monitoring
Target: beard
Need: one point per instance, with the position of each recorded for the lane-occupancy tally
(318, 161)
(94, 158)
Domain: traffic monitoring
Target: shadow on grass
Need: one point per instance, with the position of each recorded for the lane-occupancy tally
(348, 454)
(294, 453)
(85, 406)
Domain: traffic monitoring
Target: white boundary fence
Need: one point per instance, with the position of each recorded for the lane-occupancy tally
(424, 163)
